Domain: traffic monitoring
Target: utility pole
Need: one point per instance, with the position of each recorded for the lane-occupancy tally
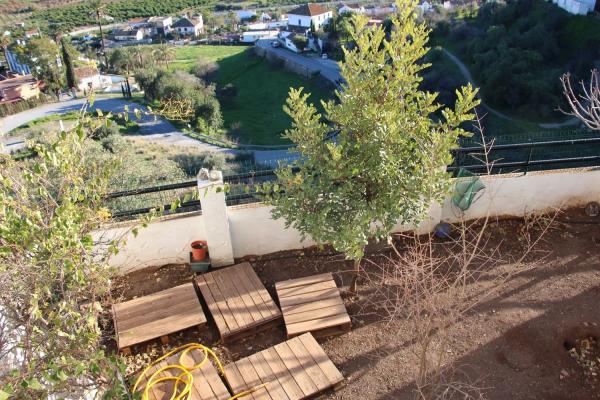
(97, 6)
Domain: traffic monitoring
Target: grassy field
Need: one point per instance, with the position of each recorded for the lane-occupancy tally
(256, 113)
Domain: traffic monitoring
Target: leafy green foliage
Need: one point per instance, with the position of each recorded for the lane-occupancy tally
(43, 54)
(52, 279)
(386, 165)
(517, 50)
(68, 53)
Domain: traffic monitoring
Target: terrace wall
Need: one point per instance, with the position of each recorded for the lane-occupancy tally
(252, 231)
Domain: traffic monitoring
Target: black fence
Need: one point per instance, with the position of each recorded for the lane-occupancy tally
(494, 157)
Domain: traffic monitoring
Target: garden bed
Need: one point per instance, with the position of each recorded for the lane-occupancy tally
(514, 344)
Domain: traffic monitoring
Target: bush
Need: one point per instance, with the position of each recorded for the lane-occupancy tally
(206, 69)
(227, 93)
(300, 42)
(23, 105)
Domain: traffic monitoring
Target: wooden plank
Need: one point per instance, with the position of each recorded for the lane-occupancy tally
(220, 303)
(309, 364)
(329, 369)
(210, 302)
(252, 379)
(286, 380)
(261, 306)
(146, 302)
(309, 280)
(298, 290)
(157, 328)
(309, 297)
(326, 322)
(296, 370)
(161, 311)
(315, 305)
(236, 381)
(276, 391)
(244, 293)
(260, 288)
(233, 300)
(317, 314)
(207, 378)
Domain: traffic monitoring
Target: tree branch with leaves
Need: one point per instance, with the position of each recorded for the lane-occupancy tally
(387, 162)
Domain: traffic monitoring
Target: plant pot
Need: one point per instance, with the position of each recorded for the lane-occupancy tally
(199, 249)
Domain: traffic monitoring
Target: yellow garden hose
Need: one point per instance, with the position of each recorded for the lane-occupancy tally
(183, 382)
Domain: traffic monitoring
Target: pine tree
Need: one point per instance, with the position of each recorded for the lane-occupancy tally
(68, 63)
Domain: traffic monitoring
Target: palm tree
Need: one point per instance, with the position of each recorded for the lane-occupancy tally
(98, 7)
(164, 53)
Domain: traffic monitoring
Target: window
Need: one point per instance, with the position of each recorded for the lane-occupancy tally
(299, 22)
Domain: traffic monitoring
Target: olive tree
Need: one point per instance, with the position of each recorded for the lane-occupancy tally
(52, 279)
(386, 164)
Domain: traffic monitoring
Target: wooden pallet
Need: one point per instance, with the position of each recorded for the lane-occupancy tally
(207, 384)
(312, 304)
(238, 301)
(295, 369)
(157, 315)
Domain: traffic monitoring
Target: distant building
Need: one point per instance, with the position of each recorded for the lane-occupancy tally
(264, 17)
(90, 78)
(253, 36)
(19, 87)
(161, 25)
(189, 26)
(245, 14)
(380, 10)
(32, 33)
(301, 18)
(578, 7)
(351, 8)
(140, 22)
(129, 34)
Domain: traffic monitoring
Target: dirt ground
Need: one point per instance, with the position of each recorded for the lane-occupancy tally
(515, 344)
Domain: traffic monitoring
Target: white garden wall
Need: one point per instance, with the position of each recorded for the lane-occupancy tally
(252, 231)
(165, 241)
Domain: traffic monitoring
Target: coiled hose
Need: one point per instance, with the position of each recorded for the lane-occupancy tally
(183, 382)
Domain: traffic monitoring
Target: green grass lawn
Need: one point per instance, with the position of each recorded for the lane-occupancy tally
(257, 110)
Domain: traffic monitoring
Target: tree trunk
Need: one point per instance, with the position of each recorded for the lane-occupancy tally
(354, 284)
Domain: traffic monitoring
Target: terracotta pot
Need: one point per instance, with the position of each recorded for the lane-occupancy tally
(199, 249)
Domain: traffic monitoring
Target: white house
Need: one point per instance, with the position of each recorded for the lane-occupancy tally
(579, 7)
(129, 34)
(300, 18)
(253, 36)
(265, 26)
(380, 10)
(189, 26)
(89, 78)
(287, 39)
(351, 8)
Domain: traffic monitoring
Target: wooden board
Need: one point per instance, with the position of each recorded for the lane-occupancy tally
(292, 370)
(207, 384)
(157, 315)
(238, 301)
(312, 304)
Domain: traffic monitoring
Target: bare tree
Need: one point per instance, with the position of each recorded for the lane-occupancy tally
(585, 105)
(431, 285)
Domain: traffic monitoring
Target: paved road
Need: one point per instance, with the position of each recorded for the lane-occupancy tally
(469, 78)
(329, 69)
(151, 128)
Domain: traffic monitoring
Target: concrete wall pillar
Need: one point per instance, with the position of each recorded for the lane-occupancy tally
(216, 221)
